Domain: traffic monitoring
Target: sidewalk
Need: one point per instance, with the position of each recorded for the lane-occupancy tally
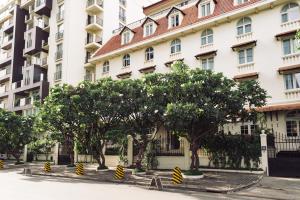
(212, 182)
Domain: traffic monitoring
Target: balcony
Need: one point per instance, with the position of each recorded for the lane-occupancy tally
(89, 77)
(5, 74)
(26, 101)
(57, 76)
(6, 60)
(25, 4)
(8, 26)
(87, 64)
(3, 90)
(59, 36)
(33, 40)
(3, 105)
(45, 45)
(7, 42)
(58, 55)
(93, 42)
(43, 7)
(94, 24)
(45, 62)
(60, 16)
(94, 6)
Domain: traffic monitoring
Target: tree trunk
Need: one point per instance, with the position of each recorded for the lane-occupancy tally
(195, 158)
(140, 156)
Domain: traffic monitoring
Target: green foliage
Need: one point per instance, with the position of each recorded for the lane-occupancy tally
(150, 156)
(15, 132)
(193, 173)
(229, 150)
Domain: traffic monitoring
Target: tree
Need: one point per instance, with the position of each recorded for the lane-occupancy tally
(143, 108)
(58, 116)
(99, 107)
(202, 101)
(15, 132)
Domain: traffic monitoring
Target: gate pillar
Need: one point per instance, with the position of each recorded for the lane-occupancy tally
(264, 153)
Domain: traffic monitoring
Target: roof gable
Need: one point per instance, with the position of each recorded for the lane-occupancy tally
(148, 19)
(197, 4)
(126, 28)
(173, 9)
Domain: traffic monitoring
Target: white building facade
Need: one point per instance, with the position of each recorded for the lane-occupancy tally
(244, 39)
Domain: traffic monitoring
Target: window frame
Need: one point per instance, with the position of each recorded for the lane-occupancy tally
(206, 35)
(126, 61)
(245, 56)
(106, 67)
(176, 46)
(149, 54)
(148, 29)
(207, 62)
(243, 24)
(286, 11)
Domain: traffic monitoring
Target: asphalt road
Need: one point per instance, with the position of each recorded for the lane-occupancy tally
(14, 186)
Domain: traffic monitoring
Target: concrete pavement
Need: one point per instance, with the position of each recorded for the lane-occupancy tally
(14, 186)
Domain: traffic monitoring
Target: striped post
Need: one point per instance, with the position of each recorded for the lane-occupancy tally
(177, 176)
(1, 164)
(79, 169)
(47, 167)
(120, 174)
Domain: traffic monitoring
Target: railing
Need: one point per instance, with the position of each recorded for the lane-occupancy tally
(29, 44)
(5, 72)
(44, 61)
(93, 38)
(44, 43)
(94, 20)
(92, 2)
(59, 35)
(59, 16)
(3, 89)
(7, 39)
(57, 76)
(168, 145)
(88, 77)
(58, 55)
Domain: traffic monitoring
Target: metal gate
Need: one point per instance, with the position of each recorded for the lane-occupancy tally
(63, 156)
(284, 155)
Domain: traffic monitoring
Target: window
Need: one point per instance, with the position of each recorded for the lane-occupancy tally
(289, 46)
(175, 46)
(207, 37)
(126, 60)
(293, 123)
(106, 67)
(208, 63)
(149, 54)
(290, 12)
(245, 56)
(292, 81)
(249, 129)
(205, 9)
(58, 72)
(244, 26)
(174, 19)
(122, 15)
(148, 29)
(126, 37)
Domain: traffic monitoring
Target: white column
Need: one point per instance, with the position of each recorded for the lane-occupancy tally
(55, 153)
(264, 153)
(130, 150)
(25, 153)
(187, 154)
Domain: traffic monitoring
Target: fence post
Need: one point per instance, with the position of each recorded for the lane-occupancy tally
(264, 152)
(187, 156)
(130, 150)
(25, 154)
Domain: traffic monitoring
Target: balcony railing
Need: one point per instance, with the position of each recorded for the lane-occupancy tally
(29, 44)
(58, 55)
(3, 89)
(60, 16)
(88, 77)
(93, 38)
(59, 35)
(57, 75)
(44, 61)
(5, 72)
(92, 2)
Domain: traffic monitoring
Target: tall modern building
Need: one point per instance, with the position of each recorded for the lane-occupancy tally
(49, 42)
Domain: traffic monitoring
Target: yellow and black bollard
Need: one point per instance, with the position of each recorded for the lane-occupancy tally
(47, 167)
(177, 176)
(79, 169)
(120, 174)
(1, 164)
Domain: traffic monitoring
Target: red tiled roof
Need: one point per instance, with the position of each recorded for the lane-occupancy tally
(281, 107)
(191, 17)
(158, 4)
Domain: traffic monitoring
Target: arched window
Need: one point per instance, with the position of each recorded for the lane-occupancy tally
(175, 46)
(149, 54)
(106, 67)
(126, 60)
(290, 12)
(244, 26)
(207, 37)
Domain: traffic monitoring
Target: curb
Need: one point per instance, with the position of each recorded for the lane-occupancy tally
(168, 186)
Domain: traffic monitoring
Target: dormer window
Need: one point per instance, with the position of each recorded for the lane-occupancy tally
(148, 29)
(174, 20)
(175, 17)
(126, 37)
(206, 7)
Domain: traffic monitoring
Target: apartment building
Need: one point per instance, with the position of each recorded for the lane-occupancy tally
(244, 39)
(49, 42)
